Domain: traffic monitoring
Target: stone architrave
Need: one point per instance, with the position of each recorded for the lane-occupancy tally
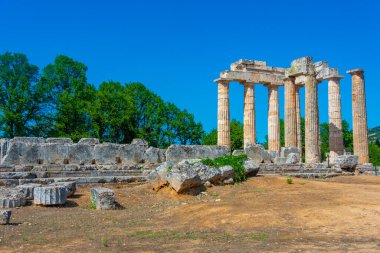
(290, 113)
(274, 143)
(359, 115)
(335, 118)
(249, 114)
(298, 111)
(312, 152)
(224, 114)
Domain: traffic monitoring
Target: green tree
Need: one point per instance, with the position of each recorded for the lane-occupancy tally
(374, 154)
(324, 139)
(237, 139)
(114, 113)
(70, 99)
(20, 96)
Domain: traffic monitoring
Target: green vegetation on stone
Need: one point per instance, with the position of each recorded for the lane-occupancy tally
(236, 162)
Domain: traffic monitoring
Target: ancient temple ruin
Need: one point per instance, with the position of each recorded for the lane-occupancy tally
(303, 72)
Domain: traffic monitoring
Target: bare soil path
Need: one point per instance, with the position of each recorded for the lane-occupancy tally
(264, 214)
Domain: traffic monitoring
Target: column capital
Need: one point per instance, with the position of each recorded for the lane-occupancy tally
(355, 71)
(334, 78)
(222, 81)
(290, 78)
(245, 83)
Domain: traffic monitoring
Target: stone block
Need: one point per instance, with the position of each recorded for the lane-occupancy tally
(103, 198)
(28, 189)
(23, 153)
(280, 160)
(157, 178)
(258, 154)
(9, 182)
(7, 168)
(55, 153)
(107, 153)
(176, 153)
(226, 172)
(5, 217)
(11, 198)
(183, 178)
(293, 158)
(50, 195)
(238, 152)
(3, 147)
(251, 168)
(28, 139)
(89, 141)
(140, 142)
(81, 154)
(154, 155)
(70, 187)
(285, 151)
(59, 140)
(17, 175)
(132, 153)
(348, 162)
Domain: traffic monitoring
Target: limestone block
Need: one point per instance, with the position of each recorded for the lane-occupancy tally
(107, 153)
(238, 152)
(140, 142)
(345, 161)
(103, 198)
(183, 178)
(7, 168)
(258, 154)
(132, 153)
(59, 140)
(301, 66)
(157, 178)
(293, 158)
(154, 155)
(50, 195)
(226, 172)
(81, 154)
(89, 141)
(9, 182)
(178, 153)
(273, 154)
(5, 216)
(28, 189)
(280, 160)
(11, 198)
(70, 187)
(17, 175)
(285, 151)
(3, 147)
(209, 174)
(28, 139)
(23, 153)
(251, 168)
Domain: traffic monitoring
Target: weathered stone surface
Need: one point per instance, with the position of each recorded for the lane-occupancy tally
(50, 195)
(28, 189)
(9, 182)
(28, 139)
(210, 174)
(89, 141)
(229, 181)
(345, 161)
(7, 168)
(103, 198)
(23, 168)
(55, 153)
(81, 154)
(178, 153)
(273, 154)
(3, 147)
(251, 168)
(285, 151)
(132, 153)
(59, 140)
(154, 155)
(238, 152)
(184, 177)
(140, 142)
(293, 158)
(157, 178)
(11, 198)
(70, 187)
(226, 172)
(23, 153)
(258, 154)
(5, 216)
(107, 153)
(17, 175)
(280, 160)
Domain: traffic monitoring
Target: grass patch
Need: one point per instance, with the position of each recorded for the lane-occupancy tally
(236, 162)
(104, 242)
(168, 169)
(167, 235)
(259, 236)
(289, 180)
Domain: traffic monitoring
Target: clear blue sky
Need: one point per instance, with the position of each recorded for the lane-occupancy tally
(177, 48)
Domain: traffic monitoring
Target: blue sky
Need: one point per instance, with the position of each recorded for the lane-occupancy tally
(177, 48)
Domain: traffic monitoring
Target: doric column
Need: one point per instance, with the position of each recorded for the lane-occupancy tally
(312, 151)
(298, 111)
(290, 113)
(274, 143)
(249, 114)
(335, 118)
(359, 114)
(224, 113)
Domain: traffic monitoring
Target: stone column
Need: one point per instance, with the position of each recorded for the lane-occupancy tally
(249, 114)
(290, 113)
(335, 118)
(274, 143)
(298, 111)
(312, 151)
(224, 113)
(359, 114)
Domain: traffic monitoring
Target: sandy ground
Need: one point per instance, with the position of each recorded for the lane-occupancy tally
(264, 214)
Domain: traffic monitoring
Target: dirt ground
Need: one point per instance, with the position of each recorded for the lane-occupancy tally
(264, 214)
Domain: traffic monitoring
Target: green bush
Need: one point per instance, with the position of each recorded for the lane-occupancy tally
(289, 180)
(236, 162)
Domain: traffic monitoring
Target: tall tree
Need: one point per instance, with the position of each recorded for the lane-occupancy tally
(70, 97)
(237, 140)
(20, 96)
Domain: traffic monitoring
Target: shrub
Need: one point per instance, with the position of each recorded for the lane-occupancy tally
(289, 180)
(235, 161)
